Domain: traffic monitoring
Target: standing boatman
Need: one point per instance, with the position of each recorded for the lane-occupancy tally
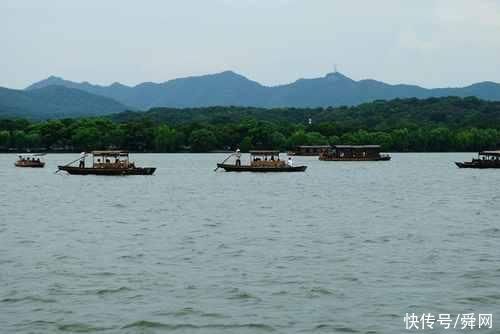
(82, 160)
(238, 157)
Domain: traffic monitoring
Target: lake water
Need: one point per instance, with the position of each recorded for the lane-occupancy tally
(343, 247)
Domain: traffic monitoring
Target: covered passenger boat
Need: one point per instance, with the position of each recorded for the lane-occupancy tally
(354, 153)
(485, 159)
(261, 161)
(106, 163)
(309, 150)
(30, 160)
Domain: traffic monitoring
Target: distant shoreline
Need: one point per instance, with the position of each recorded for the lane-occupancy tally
(220, 152)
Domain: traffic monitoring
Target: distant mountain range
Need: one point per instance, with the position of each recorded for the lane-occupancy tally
(55, 102)
(221, 89)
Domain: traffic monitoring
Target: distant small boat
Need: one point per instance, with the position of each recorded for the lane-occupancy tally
(485, 159)
(30, 160)
(354, 153)
(262, 162)
(107, 163)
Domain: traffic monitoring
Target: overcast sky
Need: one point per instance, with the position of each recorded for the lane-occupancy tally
(426, 42)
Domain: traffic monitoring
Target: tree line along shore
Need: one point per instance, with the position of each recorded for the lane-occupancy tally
(400, 125)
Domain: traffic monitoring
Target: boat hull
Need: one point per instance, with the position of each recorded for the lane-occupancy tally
(234, 168)
(30, 165)
(108, 171)
(478, 165)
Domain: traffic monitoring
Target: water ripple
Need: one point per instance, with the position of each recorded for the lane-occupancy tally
(144, 324)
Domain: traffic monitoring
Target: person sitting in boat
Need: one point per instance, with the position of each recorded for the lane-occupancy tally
(238, 157)
(290, 162)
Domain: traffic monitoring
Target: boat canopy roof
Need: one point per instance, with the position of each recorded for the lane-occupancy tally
(494, 153)
(313, 146)
(110, 153)
(356, 146)
(265, 152)
(31, 154)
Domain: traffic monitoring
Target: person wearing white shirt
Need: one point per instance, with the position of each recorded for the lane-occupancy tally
(82, 160)
(238, 157)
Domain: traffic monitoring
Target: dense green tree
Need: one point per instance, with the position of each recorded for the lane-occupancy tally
(86, 139)
(278, 141)
(262, 135)
(435, 124)
(165, 139)
(297, 138)
(202, 140)
(19, 140)
(400, 139)
(316, 138)
(4, 138)
(246, 144)
(51, 132)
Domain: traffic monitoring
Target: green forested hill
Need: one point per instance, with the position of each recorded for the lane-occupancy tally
(434, 124)
(54, 102)
(451, 112)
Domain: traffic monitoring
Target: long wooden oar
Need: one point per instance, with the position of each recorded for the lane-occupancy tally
(72, 162)
(224, 161)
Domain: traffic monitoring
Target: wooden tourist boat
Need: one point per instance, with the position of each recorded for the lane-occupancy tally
(309, 150)
(107, 163)
(30, 161)
(263, 162)
(354, 153)
(485, 159)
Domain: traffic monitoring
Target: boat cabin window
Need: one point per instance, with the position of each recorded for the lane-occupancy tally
(353, 151)
(29, 158)
(265, 158)
(489, 155)
(110, 159)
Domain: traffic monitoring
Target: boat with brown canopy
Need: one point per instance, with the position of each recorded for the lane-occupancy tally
(485, 159)
(261, 161)
(353, 153)
(309, 150)
(106, 163)
(30, 160)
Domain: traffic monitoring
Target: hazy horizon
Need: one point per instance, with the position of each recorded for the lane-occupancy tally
(439, 43)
